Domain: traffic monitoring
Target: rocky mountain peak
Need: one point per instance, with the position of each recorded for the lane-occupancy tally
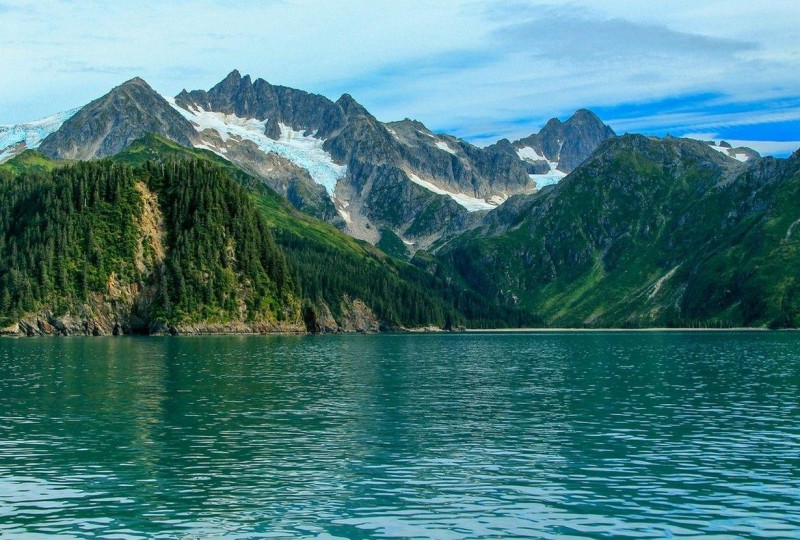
(111, 123)
(134, 82)
(351, 107)
(584, 115)
(565, 144)
(552, 125)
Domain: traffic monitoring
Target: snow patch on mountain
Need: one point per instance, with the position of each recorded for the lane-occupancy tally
(305, 151)
(553, 176)
(730, 152)
(527, 153)
(441, 145)
(31, 133)
(472, 204)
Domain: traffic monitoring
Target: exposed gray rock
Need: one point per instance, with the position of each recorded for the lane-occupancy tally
(377, 192)
(111, 123)
(566, 143)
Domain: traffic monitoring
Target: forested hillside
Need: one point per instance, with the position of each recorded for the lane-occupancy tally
(168, 239)
(648, 232)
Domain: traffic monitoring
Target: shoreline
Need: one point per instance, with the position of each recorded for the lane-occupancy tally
(419, 331)
(613, 329)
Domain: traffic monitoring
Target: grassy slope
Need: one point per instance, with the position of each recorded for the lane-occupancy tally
(602, 249)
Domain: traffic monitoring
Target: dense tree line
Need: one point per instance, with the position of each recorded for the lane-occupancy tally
(63, 233)
(222, 260)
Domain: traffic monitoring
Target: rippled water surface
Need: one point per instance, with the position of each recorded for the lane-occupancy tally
(644, 435)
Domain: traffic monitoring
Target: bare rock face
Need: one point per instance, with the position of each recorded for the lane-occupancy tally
(111, 123)
(358, 317)
(383, 162)
(261, 100)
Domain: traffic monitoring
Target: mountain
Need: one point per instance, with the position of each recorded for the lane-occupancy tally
(560, 147)
(111, 123)
(646, 232)
(380, 182)
(167, 239)
(254, 207)
(338, 162)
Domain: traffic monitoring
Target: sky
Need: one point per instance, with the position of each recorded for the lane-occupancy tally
(480, 70)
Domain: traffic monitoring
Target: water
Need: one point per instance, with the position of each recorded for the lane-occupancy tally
(644, 435)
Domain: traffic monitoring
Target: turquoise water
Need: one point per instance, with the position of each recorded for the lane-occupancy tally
(551, 435)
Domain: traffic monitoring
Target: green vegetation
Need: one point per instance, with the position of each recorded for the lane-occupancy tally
(195, 240)
(222, 262)
(77, 232)
(391, 244)
(63, 234)
(29, 161)
(650, 233)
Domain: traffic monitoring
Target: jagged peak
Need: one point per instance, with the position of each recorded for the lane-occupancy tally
(584, 115)
(416, 124)
(552, 124)
(232, 81)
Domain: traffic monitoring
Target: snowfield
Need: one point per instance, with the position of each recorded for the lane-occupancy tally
(739, 156)
(441, 145)
(305, 151)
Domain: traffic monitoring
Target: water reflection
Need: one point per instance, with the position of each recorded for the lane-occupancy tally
(462, 436)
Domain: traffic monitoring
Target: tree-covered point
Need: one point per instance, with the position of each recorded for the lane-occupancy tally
(63, 233)
(222, 262)
(79, 229)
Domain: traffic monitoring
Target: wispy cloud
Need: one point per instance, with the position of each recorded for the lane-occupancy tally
(567, 34)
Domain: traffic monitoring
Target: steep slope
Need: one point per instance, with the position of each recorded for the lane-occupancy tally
(646, 232)
(171, 239)
(101, 248)
(111, 123)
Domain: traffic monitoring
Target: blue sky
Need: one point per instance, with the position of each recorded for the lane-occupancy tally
(482, 70)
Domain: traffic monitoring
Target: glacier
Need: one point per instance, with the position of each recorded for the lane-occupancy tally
(305, 151)
(30, 133)
(553, 176)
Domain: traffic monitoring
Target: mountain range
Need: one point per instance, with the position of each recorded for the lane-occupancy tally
(570, 226)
